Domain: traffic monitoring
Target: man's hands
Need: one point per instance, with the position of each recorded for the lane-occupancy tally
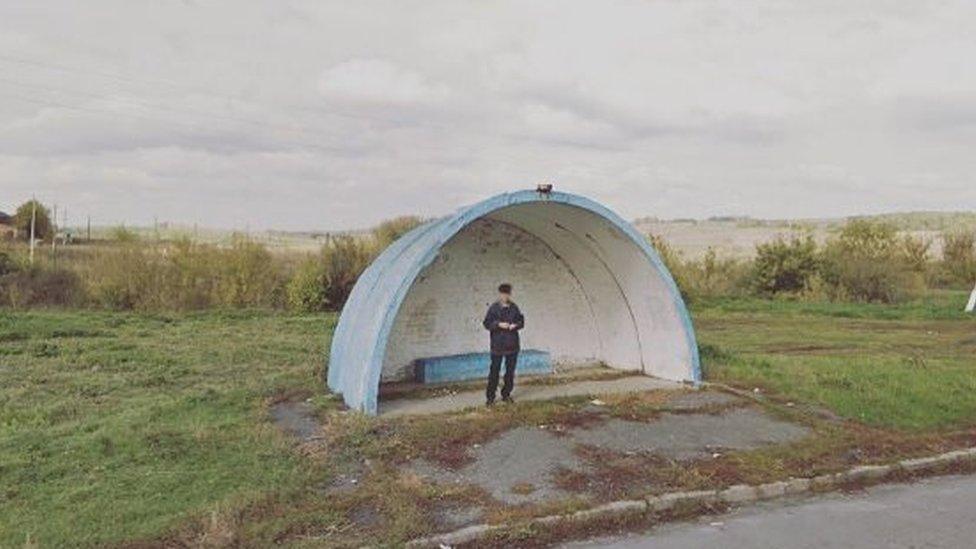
(507, 326)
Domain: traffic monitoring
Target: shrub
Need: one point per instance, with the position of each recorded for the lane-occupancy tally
(785, 265)
(388, 231)
(7, 263)
(672, 260)
(868, 239)
(866, 262)
(716, 276)
(122, 277)
(916, 252)
(344, 260)
(185, 275)
(123, 235)
(325, 282)
(307, 287)
(247, 276)
(959, 257)
(710, 276)
(189, 282)
(40, 286)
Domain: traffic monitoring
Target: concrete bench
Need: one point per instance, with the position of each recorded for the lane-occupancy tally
(441, 369)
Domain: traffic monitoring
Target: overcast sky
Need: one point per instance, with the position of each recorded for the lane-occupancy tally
(326, 115)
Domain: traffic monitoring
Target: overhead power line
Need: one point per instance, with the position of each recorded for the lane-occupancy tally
(57, 104)
(151, 105)
(187, 89)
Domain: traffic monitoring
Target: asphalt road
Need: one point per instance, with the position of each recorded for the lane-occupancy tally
(936, 513)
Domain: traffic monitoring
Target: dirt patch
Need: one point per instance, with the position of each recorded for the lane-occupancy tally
(522, 456)
(691, 436)
(558, 464)
(295, 418)
(366, 517)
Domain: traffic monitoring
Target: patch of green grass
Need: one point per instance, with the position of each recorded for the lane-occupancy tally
(906, 367)
(119, 426)
(934, 304)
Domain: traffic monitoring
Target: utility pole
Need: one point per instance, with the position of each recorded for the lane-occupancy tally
(88, 237)
(33, 223)
(54, 227)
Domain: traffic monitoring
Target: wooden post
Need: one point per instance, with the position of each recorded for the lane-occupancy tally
(971, 306)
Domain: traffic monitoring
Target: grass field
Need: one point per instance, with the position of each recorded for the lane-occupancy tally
(910, 366)
(115, 426)
(127, 428)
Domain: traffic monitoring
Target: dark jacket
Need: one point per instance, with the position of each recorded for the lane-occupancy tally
(504, 342)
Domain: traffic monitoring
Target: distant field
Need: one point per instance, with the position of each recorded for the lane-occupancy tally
(121, 426)
(738, 237)
(730, 237)
(291, 241)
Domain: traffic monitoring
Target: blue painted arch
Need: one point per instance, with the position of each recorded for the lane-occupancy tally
(361, 338)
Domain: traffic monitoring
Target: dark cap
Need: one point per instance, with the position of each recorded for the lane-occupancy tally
(505, 288)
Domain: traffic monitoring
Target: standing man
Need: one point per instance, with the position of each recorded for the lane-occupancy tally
(503, 320)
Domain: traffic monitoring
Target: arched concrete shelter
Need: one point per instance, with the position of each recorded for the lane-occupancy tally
(591, 287)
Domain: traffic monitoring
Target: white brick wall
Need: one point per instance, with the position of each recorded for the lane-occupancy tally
(587, 291)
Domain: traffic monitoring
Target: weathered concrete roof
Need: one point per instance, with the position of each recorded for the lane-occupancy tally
(361, 337)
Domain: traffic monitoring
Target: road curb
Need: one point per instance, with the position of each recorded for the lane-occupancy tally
(733, 495)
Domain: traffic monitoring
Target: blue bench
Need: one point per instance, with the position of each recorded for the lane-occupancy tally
(440, 369)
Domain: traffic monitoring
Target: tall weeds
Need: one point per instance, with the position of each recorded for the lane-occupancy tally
(864, 261)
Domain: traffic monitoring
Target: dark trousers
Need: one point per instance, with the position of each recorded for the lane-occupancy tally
(493, 371)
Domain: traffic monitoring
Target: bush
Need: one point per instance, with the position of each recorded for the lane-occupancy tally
(247, 276)
(785, 265)
(715, 276)
(123, 235)
(959, 257)
(710, 276)
(672, 260)
(867, 262)
(307, 287)
(189, 281)
(40, 286)
(7, 263)
(915, 250)
(325, 282)
(122, 278)
(388, 231)
(185, 275)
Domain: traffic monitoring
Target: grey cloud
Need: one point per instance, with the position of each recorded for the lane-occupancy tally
(328, 114)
